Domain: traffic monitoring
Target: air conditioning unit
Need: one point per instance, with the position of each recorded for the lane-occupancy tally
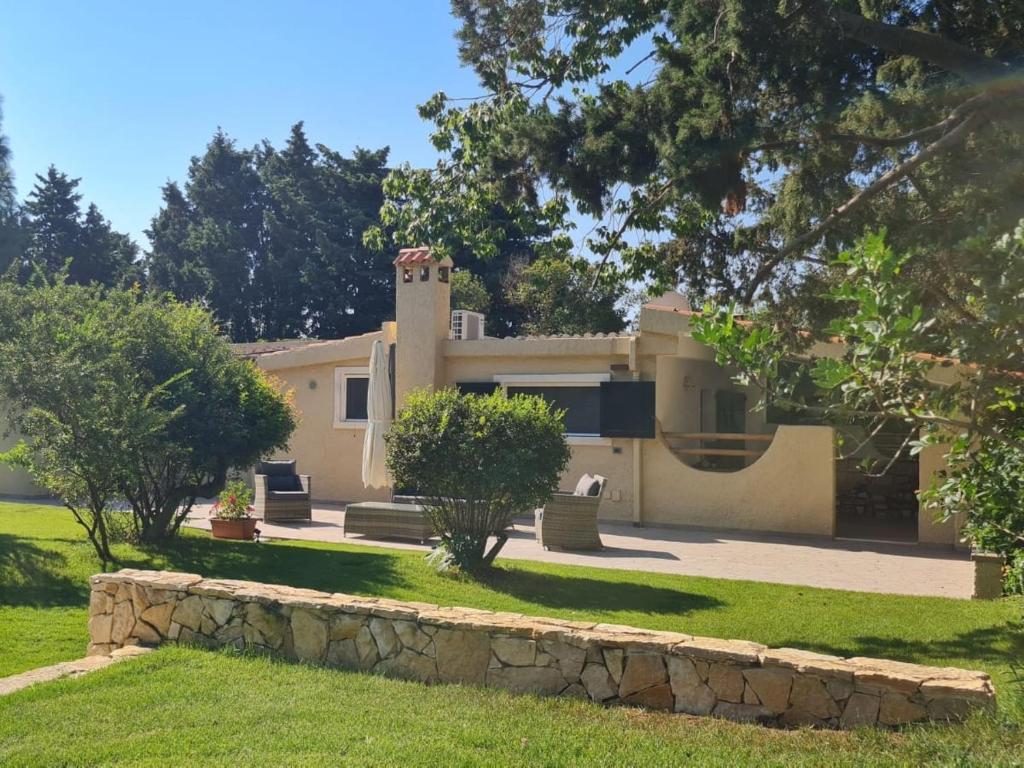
(466, 325)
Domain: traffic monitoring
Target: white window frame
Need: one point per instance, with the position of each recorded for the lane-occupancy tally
(505, 380)
(341, 374)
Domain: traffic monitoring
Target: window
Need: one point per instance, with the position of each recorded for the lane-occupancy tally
(351, 387)
(442, 274)
(578, 394)
(424, 274)
(582, 406)
(406, 274)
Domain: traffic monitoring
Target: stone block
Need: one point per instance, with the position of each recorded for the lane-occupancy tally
(713, 649)
(268, 623)
(411, 636)
(462, 656)
(309, 636)
(189, 612)
(861, 709)
(810, 695)
(99, 628)
(614, 659)
(772, 687)
(515, 651)
(158, 617)
(643, 670)
(540, 680)
(384, 634)
(726, 680)
(897, 709)
(123, 622)
(569, 658)
(655, 697)
(598, 683)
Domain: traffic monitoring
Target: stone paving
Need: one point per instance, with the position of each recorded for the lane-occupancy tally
(75, 668)
(774, 558)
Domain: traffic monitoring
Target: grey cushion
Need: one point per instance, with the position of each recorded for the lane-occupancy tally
(271, 468)
(594, 489)
(288, 495)
(283, 483)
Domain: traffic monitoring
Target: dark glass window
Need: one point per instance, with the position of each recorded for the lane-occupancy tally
(582, 406)
(406, 274)
(424, 274)
(476, 387)
(442, 274)
(356, 390)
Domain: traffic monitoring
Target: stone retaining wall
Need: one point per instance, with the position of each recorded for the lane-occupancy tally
(608, 663)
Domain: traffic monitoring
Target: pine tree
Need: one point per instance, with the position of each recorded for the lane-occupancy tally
(59, 236)
(53, 225)
(272, 239)
(171, 265)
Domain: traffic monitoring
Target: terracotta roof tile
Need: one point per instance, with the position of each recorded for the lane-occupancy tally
(419, 255)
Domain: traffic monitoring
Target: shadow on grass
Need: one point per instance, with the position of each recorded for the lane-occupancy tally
(594, 595)
(999, 644)
(312, 568)
(31, 575)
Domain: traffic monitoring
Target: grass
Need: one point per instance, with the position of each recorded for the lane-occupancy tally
(189, 706)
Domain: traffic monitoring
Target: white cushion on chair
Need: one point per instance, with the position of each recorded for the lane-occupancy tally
(583, 486)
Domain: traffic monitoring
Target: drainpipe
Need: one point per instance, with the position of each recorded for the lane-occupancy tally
(638, 516)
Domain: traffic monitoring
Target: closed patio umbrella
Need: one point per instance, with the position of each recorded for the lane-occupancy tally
(378, 418)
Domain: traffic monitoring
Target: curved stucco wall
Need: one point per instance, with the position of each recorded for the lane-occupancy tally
(789, 489)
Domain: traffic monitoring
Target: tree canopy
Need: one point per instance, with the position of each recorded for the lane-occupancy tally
(272, 239)
(731, 145)
(124, 396)
(56, 235)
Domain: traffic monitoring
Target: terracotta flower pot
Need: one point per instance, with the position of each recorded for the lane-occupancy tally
(243, 528)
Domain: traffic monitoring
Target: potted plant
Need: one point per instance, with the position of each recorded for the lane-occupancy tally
(231, 516)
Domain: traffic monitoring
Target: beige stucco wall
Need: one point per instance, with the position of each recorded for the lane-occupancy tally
(332, 456)
(791, 488)
(930, 530)
(14, 482)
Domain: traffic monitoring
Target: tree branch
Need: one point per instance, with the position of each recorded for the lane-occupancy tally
(947, 142)
(935, 49)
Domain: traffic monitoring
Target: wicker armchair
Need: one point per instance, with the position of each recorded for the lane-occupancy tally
(281, 494)
(569, 520)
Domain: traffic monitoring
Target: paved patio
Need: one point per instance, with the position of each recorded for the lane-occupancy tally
(815, 562)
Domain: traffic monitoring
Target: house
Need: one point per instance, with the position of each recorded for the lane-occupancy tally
(650, 410)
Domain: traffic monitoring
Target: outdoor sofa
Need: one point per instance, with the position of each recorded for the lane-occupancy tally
(281, 493)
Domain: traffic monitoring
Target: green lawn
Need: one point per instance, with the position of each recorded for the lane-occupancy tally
(181, 706)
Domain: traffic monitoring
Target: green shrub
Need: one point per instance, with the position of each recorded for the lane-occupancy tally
(120, 395)
(477, 461)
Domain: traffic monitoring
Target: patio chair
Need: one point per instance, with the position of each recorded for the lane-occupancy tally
(281, 493)
(569, 520)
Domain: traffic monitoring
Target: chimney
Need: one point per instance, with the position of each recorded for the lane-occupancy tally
(422, 312)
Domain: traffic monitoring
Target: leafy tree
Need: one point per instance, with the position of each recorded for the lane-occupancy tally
(672, 117)
(272, 239)
(560, 296)
(477, 461)
(127, 397)
(867, 368)
(58, 236)
(463, 209)
(469, 292)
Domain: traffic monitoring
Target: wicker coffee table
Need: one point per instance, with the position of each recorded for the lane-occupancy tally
(385, 520)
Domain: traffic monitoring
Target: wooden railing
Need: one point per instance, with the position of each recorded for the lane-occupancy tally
(674, 438)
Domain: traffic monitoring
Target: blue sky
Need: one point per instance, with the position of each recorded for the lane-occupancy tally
(122, 94)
